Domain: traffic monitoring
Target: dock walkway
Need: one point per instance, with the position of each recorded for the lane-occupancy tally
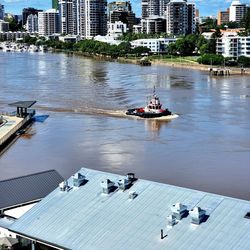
(10, 125)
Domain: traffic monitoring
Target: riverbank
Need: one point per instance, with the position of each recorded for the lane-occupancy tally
(187, 64)
(202, 67)
(176, 63)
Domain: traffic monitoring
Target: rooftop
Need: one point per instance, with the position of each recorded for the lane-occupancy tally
(23, 104)
(86, 217)
(27, 188)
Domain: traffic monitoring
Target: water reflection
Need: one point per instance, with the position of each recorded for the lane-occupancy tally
(206, 148)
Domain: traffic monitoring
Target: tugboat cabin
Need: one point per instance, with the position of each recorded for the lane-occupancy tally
(23, 108)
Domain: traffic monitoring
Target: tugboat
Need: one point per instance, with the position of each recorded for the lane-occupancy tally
(153, 109)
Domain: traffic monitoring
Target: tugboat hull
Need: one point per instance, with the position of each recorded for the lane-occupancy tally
(134, 112)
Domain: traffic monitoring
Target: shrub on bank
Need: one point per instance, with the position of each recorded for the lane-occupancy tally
(244, 61)
(211, 59)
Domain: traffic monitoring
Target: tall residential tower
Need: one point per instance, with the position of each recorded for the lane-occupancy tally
(1, 11)
(180, 17)
(66, 21)
(93, 18)
(237, 11)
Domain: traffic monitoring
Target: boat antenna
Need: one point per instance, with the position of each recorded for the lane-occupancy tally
(154, 91)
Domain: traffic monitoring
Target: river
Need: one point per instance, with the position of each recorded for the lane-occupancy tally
(206, 148)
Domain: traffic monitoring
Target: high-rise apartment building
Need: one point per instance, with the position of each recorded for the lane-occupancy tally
(93, 18)
(237, 11)
(27, 12)
(121, 12)
(48, 22)
(1, 11)
(191, 25)
(180, 17)
(66, 18)
(223, 17)
(154, 7)
(153, 24)
(119, 6)
(32, 23)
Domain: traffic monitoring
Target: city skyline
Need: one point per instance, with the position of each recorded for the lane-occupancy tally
(210, 8)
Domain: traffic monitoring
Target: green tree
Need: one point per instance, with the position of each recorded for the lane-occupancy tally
(209, 59)
(13, 24)
(124, 48)
(244, 61)
(140, 50)
(211, 46)
(245, 22)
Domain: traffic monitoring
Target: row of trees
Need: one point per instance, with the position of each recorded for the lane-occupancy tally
(193, 45)
(212, 59)
(89, 46)
(96, 47)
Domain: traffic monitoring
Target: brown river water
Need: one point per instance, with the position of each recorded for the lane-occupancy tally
(206, 148)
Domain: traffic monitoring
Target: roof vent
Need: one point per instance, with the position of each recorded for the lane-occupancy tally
(179, 211)
(64, 186)
(198, 215)
(78, 179)
(131, 177)
(123, 184)
(108, 186)
(247, 216)
(126, 183)
(132, 195)
(171, 220)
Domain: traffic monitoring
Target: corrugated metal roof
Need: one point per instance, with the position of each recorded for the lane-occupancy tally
(27, 188)
(85, 218)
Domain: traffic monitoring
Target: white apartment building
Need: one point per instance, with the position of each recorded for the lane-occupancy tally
(48, 22)
(117, 29)
(233, 46)
(156, 45)
(237, 11)
(13, 36)
(32, 23)
(137, 29)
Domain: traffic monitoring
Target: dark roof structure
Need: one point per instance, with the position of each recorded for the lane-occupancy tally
(23, 104)
(29, 188)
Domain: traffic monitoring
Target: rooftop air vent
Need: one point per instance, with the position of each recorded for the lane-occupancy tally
(64, 186)
(247, 216)
(131, 177)
(108, 186)
(123, 184)
(126, 183)
(132, 195)
(198, 215)
(171, 220)
(179, 211)
(78, 180)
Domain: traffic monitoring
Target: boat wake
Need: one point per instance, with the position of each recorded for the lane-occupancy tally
(97, 111)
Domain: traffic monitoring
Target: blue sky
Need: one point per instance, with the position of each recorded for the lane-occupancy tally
(206, 7)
